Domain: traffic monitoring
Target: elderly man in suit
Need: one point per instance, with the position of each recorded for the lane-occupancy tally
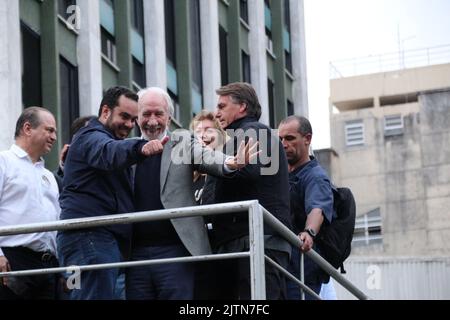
(176, 237)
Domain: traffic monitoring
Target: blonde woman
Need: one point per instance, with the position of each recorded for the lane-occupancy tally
(206, 128)
(208, 131)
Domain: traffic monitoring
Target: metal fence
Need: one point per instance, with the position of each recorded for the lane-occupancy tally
(257, 216)
(390, 62)
(394, 278)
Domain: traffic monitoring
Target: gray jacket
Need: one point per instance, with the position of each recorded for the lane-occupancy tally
(181, 156)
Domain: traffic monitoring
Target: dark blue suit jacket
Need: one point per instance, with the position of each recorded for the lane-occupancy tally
(97, 176)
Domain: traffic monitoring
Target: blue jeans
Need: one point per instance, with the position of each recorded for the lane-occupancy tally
(313, 276)
(173, 281)
(77, 248)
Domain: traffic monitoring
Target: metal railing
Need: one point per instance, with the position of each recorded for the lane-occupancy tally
(404, 59)
(257, 216)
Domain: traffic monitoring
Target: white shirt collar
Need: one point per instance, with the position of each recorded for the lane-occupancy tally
(20, 153)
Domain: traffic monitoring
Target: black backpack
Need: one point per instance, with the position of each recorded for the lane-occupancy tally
(334, 240)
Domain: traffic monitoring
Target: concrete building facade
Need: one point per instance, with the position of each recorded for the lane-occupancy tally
(390, 133)
(390, 136)
(63, 54)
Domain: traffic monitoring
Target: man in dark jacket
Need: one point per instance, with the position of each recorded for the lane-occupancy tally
(238, 112)
(77, 124)
(97, 181)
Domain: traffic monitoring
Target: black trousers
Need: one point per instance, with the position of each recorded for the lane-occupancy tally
(42, 287)
(232, 278)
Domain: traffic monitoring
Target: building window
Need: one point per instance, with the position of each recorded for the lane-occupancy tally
(110, 2)
(109, 46)
(270, 91)
(223, 42)
(70, 108)
(268, 24)
(368, 229)
(169, 12)
(287, 36)
(138, 43)
(288, 61)
(139, 73)
(137, 15)
(31, 67)
(63, 6)
(107, 19)
(354, 133)
(393, 125)
(195, 44)
(287, 15)
(290, 108)
(246, 75)
(243, 6)
(176, 105)
(196, 56)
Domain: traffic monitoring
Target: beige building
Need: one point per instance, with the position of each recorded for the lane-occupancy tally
(391, 136)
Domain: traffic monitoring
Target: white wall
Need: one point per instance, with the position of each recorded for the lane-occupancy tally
(10, 70)
(408, 278)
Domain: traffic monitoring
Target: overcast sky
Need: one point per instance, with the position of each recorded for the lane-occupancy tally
(344, 29)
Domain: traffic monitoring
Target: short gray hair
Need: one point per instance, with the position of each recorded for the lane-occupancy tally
(163, 93)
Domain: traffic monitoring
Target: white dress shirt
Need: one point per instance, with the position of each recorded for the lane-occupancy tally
(28, 194)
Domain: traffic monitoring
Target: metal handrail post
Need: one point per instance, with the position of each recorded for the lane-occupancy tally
(293, 278)
(302, 274)
(328, 268)
(257, 268)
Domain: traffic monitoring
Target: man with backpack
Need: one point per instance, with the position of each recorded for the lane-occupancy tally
(311, 196)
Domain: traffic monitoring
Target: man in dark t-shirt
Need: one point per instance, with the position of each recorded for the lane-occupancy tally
(311, 198)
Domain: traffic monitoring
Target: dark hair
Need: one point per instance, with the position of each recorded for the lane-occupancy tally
(30, 115)
(241, 92)
(79, 123)
(112, 96)
(304, 126)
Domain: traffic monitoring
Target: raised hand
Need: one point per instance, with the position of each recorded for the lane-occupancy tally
(154, 147)
(244, 155)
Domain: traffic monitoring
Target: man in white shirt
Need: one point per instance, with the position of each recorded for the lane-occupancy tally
(28, 194)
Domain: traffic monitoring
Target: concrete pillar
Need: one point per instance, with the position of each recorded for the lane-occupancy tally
(209, 20)
(376, 102)
(300, 85)
(155, 44)
(89, 58)
(10, 70)
(258, 56)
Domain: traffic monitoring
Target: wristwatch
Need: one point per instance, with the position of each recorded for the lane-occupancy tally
(311, 232)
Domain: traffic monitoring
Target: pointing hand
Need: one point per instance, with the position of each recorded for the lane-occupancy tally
(154, 147)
